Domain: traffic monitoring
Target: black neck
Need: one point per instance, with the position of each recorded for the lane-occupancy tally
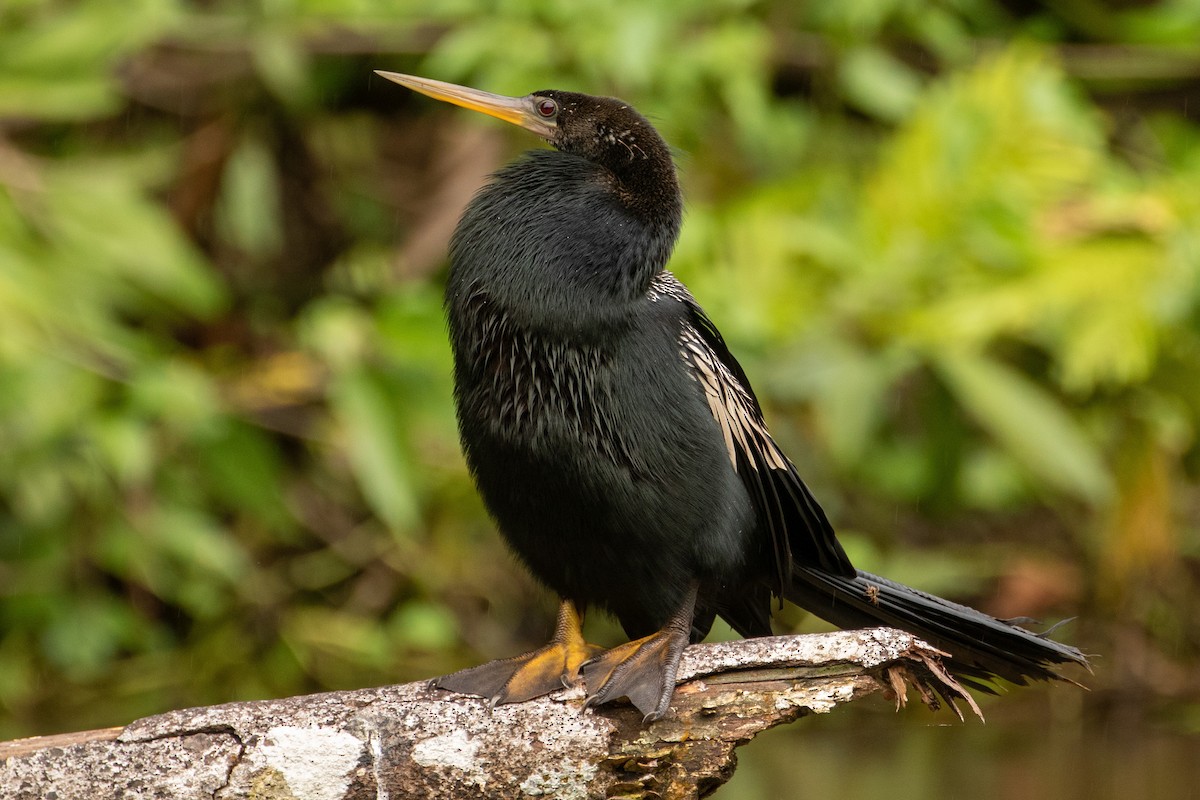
(564, 243)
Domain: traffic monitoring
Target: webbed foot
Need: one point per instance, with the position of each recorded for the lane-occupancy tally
(524, 677)
(642, 670)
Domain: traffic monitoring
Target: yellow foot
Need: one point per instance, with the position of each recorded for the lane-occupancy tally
(524, 677)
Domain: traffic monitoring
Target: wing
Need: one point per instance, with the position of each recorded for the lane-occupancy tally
(790, 515)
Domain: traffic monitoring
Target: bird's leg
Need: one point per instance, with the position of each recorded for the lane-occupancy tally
(643, 670)
(524, 677)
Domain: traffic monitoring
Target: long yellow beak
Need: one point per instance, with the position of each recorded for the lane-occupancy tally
(517, 110)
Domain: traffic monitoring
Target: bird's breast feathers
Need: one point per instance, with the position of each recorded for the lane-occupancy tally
(532, 389)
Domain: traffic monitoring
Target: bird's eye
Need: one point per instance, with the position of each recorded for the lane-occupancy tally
(547, 108)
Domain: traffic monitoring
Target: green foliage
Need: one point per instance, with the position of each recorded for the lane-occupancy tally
(1029, 424)
(958, 258)
(57, 66)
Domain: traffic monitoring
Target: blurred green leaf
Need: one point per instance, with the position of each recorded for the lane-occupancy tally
(177, 392)
(848, 389)
(238, 462)
(370, 420)
(282, 61)
(315, 633)
(59, 65)
(423, 625)
(1030, 423)
(879, 84)
(248, 210)
(83, 638)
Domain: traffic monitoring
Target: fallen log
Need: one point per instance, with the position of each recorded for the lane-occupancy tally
(411, 741)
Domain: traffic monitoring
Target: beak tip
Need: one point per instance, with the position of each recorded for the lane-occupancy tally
(394, 77)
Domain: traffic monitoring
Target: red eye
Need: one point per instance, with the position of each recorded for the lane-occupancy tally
(547, 107)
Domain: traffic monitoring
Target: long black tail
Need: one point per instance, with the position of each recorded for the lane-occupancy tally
(981, 647)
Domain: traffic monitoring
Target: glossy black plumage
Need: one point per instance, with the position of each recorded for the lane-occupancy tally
(616, 440)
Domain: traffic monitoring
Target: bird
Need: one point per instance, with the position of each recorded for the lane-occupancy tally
(617, 442)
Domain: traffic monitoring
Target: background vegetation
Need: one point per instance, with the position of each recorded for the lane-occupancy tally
(956, 244)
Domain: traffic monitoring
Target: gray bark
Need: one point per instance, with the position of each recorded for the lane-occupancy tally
(411, 741)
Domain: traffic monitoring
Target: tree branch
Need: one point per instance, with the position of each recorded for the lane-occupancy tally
(411, 741)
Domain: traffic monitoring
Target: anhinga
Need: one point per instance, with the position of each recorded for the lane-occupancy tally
(617, 442)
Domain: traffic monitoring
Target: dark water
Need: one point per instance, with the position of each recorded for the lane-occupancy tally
(1047, 745)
